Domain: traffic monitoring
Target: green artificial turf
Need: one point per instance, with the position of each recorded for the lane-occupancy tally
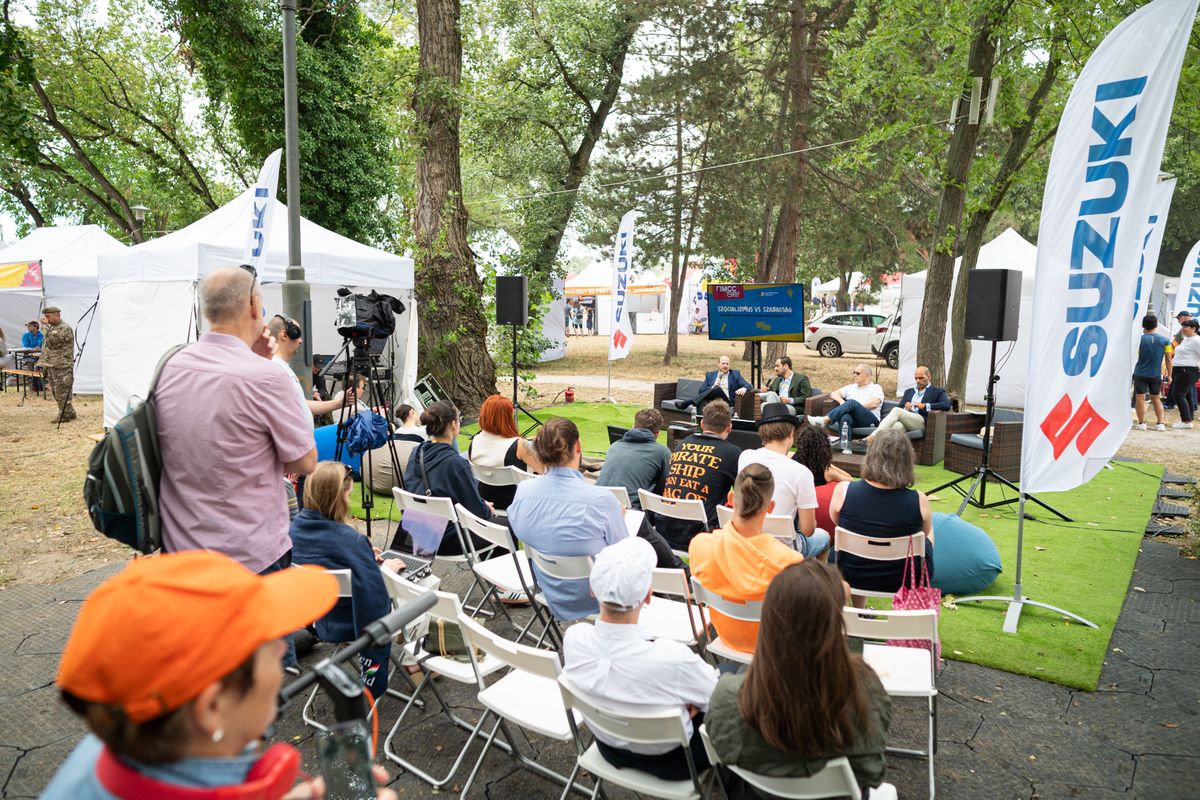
(1083, 566)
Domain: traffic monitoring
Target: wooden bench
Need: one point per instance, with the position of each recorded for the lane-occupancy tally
(27, 374)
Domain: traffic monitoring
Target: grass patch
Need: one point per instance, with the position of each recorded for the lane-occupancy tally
(1083, 566)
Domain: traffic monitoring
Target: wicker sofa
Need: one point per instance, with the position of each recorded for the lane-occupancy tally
(665, 394)
(929, 444)
(964, 445)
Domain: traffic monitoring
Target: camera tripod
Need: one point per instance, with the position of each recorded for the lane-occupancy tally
(360, 361)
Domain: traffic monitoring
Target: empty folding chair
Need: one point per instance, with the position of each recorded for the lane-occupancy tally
(622, 495)
(875, 548)
(687, 510)
(668, 618)
(903, 671)
(749, 611)
(643, 727)
(835, 779)
(470, 672)
(443, 508)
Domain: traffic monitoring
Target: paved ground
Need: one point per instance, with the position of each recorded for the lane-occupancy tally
(1000, 735)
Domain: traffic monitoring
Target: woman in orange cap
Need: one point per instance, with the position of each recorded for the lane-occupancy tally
(175, 665)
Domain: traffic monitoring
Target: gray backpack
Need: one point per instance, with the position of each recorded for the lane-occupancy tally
(121, 488)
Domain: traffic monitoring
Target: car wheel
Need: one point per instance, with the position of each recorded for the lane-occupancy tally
(891, 355)
(829, 348)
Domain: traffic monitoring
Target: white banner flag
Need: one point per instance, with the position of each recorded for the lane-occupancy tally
(1187, 298)
(1098, 196)
(1148, 263)
(622, 330)
(262, 208)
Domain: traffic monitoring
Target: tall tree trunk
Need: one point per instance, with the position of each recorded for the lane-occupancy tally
(931, 344)
(693, 214)
(1015, 156)
(453, 330)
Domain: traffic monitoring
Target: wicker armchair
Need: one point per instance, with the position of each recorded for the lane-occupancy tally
(929, 448)
(964, 445)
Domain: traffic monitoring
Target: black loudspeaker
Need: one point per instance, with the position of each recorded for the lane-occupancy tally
(993, 305)
(512, 300)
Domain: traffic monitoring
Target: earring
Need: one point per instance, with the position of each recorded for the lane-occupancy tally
(218, 735)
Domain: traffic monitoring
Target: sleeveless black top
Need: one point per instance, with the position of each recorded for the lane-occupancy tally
(884, 513)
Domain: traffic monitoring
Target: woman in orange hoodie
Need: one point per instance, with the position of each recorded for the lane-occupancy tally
(738, 561)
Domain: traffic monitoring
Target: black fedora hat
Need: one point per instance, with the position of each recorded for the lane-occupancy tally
(779, 412)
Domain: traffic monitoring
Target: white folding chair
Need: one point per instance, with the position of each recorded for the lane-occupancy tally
(835, 779)
(442, 507)
(495, 476)
(508, 573)
(566, 568)
(686, 510)
(642, 727)
(471, 672)
(781, 526)
(749, 611)
(622, 495)
(903, 671)
(527, 696)
(671, 619)
(876, 548)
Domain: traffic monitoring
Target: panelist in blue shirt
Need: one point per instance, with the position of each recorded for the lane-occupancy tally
(560, 514)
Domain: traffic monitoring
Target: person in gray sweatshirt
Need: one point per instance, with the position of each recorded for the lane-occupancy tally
(637, 461)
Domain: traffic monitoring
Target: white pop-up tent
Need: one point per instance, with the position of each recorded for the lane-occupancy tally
(649, 298)
(149, 297)
(68, 254)
(1009, 250)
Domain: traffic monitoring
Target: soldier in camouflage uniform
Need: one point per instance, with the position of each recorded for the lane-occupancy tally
(58, 361)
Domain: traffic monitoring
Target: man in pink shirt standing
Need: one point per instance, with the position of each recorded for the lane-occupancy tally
(229, 426)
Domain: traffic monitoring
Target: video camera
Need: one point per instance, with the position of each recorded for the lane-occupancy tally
(370, 316)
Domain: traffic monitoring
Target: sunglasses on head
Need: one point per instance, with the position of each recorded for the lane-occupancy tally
(253, 277)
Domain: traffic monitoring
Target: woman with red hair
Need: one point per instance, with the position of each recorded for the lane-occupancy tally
(500, 444)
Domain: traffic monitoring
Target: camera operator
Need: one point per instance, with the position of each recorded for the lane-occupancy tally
(181, 712)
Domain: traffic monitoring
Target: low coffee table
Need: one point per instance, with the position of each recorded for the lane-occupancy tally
(851, 462)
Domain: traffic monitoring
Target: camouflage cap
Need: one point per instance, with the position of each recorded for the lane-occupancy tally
(51, 310)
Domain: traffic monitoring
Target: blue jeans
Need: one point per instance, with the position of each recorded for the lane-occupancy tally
(859, 417)
(812, 546)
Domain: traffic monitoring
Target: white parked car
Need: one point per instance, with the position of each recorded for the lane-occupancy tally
(886, 343)
(842, 332)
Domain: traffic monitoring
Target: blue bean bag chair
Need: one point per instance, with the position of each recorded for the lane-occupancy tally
(966, 559)
(326, 439)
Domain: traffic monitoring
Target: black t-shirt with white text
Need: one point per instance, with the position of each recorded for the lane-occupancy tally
(702, 468)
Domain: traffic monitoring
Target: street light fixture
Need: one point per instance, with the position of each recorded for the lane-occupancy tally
(139, 216)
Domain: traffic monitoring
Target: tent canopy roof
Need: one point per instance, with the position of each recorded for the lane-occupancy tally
(68, 254)
(1009, 250)
(219, 240)
(597, 279)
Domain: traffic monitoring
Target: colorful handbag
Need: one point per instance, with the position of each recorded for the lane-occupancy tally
(913, 597)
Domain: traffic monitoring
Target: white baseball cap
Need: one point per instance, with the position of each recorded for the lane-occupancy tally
(621, 572)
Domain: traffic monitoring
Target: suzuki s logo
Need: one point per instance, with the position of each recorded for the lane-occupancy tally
(619, 339)
(1061, 426)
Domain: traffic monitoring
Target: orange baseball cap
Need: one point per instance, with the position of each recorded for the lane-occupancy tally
(153, 636)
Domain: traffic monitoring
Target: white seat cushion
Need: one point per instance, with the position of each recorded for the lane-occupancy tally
(531, 701)
(903, 671)
(501, 572)
(668, 619)
(636, 780)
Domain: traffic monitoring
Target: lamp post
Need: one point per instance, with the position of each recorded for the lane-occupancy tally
(139, 216)
(295, 287)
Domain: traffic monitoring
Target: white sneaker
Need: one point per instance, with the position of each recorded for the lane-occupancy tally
(1182, 426)
(1160, 427)
(1141, 426)
(817, 421)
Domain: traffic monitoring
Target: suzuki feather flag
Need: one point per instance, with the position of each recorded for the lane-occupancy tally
(1148, 262)
(262, 208)
(622, 330)
(1099, 194)
(1187, 298)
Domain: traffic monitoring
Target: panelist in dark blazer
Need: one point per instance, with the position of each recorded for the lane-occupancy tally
(914, 408)
(721, 382)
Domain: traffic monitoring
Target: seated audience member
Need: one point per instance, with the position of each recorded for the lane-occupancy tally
(814, 452)
(738, 561)
(174, 664)
(794, 490)
(702, 468)
(723, 383)
(787, 386)
(32, 339)
(614, 662)
(321, 536)
(638, 460)
(858, 403)
(560, 514)
(7, 360)
(500, 444)
(806, 698)
(408, 425)
(881, 503)
(435, 468)
(916, 404)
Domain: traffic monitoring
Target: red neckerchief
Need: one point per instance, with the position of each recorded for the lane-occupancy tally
(271, 777)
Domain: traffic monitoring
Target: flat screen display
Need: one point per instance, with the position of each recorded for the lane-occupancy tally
(764, 312)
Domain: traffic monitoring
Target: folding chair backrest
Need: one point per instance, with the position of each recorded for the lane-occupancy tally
(691, 510)
(494, 476)
(497, 535)
(567, 568)
(835, 779)
(438, 506)
(724, 515)
(543, 663)
(622, 495)
(748, 611)
(673, 582)
(447, 606)
(869, 623)
(777, 525)
(877, 548)
(644, 727)
(521, 475)
(344, 582)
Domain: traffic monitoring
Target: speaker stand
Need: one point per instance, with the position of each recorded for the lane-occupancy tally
(979, 477)
(517, 407)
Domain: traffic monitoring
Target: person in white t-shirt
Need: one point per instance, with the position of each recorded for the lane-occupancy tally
(858, 402)
(1185, 371)
(795, 495)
